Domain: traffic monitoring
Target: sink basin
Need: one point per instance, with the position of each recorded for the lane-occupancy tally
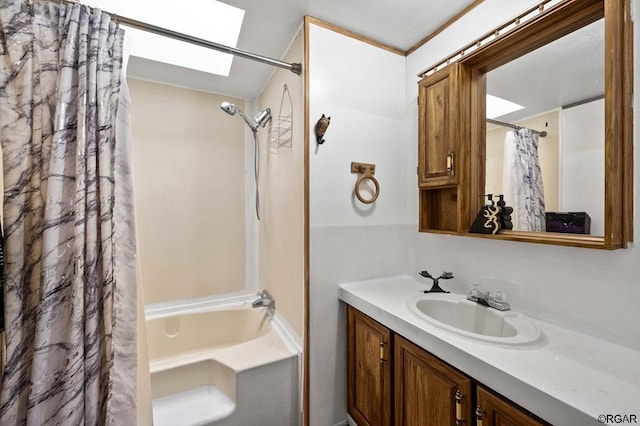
(455, 313)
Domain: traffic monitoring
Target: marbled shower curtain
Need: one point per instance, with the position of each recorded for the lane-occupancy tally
(522, 181)
(70, 289)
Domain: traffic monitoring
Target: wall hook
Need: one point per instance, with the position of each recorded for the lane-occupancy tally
(367, 171)
(321, 127)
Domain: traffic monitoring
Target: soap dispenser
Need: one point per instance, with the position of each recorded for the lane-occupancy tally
(489, 200)
(505, 213)
(487, 221)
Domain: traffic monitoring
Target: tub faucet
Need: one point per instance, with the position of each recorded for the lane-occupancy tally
(265, 300)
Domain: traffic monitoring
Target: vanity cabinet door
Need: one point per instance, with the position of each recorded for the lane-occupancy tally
(494, 410)
(426, 389)
(436, 148)
(368, 370)
(440, 109)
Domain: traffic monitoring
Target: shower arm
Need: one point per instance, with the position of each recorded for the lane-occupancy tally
(250, 123)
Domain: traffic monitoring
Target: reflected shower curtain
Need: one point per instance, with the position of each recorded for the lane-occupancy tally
(522, 181)
(70, 288)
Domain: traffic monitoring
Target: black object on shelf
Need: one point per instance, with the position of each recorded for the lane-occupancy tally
(568, 222)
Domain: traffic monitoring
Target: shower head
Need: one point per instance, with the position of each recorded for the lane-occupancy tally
(261, 119)
(229, 108)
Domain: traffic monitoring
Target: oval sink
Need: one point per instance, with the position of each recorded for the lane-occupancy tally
(455, 313)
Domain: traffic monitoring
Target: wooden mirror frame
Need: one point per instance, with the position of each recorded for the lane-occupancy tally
(548, 26)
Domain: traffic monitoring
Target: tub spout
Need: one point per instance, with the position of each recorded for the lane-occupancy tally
(265, 300)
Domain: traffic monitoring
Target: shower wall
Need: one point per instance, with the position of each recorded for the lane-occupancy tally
(189, 182)
(281, 230)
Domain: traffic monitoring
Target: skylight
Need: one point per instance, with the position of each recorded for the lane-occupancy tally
(207, 19)
(497, 107)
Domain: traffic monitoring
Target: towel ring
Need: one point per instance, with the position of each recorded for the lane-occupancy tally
(367, 171)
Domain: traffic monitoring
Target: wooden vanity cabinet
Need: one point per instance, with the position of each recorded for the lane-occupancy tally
(427, 391)
(392, 381)
(494, 410)
(368, 370)
(443, 149)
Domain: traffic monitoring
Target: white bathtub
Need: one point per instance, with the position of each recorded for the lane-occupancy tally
(226, 367)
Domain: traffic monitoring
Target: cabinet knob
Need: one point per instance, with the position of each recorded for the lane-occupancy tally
(382, 358)
(479, 414)
(459, 418)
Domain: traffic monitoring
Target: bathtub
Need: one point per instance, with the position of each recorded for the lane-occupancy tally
(224, 367)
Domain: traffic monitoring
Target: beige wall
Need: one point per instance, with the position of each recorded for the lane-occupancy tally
(189, 186)
(548, 150)
(281, 230)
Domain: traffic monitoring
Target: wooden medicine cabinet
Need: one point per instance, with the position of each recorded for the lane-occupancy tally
(452, 155)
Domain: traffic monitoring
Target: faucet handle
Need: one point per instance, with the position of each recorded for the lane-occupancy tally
(425, 274)
(499, 296)
(474, 293)
(498, 301)
(474, 289)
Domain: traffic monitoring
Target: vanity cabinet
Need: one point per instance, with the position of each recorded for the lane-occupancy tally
(494, 410)
(368, 370)
(443, 148)
(423, 391)
(428, 391)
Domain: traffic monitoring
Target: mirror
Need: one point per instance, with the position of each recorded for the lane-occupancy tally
(548, 25)
(557, 89)
(590, 173)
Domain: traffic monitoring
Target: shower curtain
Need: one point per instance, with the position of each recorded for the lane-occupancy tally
(522, 181)
(70, 283)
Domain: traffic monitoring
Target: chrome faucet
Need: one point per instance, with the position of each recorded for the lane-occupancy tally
(265, 300)
(495, 300)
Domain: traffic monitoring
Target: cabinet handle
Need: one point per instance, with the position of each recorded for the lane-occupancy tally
(450, 163)
(459, 419)
(479, 414)
(382, 358)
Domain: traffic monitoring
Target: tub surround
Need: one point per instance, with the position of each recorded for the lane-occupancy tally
(568, 378)
(173, 130)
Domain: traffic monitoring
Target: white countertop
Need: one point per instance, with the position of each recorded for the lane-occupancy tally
(567, 379)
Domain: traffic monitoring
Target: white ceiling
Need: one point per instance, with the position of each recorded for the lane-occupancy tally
(270, 26)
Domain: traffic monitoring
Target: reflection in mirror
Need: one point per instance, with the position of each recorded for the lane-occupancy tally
(557, 89)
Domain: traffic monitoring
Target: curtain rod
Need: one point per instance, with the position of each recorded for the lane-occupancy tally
(542, 134)
(295, 68)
